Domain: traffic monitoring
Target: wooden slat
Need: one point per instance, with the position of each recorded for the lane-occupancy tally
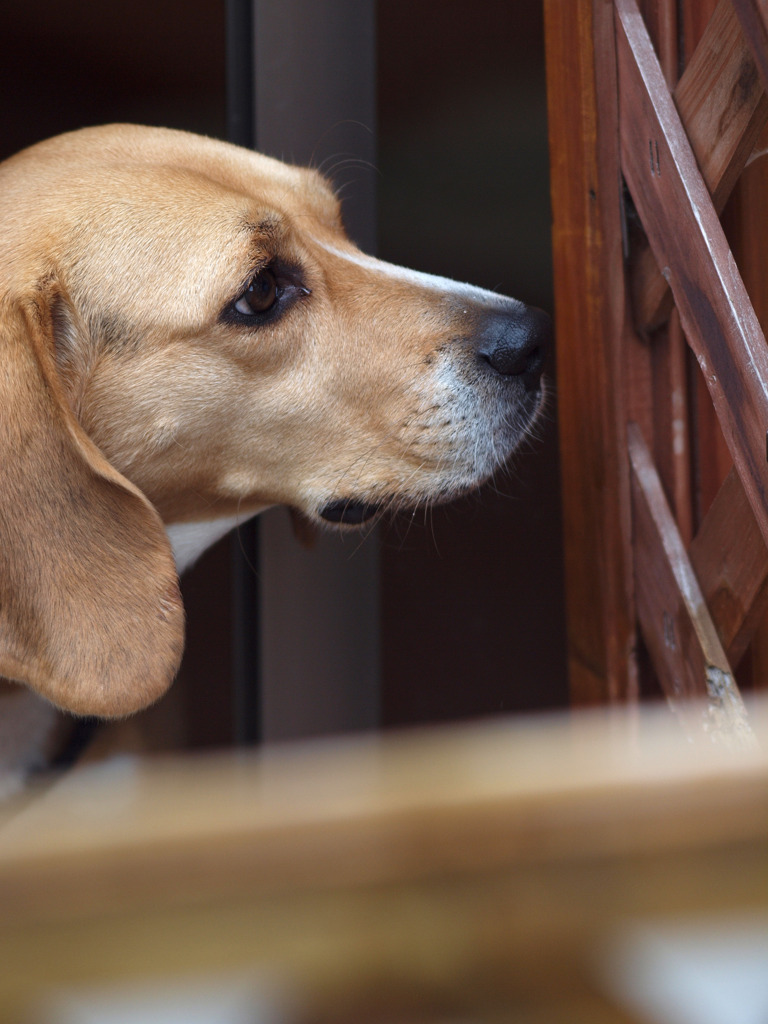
(744, 223)
(753, 16)
(730, 560)
(681, 637)
(729, 556)
(678, 630)
(667, 421)
(710, 459)
(722, 103)
(723, 107)
(689, 243)
(663, 385)
(581, 88)
(694, 19)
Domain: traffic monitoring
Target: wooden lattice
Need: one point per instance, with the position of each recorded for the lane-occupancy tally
(665, 489)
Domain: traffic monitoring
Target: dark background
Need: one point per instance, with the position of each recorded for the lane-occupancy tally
(472, 607)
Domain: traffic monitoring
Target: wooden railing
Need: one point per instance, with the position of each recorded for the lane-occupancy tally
(662, 361)
(491, 872)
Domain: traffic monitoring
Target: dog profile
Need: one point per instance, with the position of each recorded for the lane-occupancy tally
(188, 337)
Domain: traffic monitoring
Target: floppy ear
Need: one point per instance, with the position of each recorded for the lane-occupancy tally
(90, 611)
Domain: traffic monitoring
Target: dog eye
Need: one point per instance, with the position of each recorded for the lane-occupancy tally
(260, 295)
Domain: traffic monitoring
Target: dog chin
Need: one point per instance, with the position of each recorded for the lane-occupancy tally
(352, 511)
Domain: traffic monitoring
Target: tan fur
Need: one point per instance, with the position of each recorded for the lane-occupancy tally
(129, 402)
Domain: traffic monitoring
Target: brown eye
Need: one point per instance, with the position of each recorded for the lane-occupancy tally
(260, 295)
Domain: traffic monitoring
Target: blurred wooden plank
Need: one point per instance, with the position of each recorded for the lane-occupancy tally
(688, 241)
(588, 276)
(430, 803)
(723, 107)
(468, 867)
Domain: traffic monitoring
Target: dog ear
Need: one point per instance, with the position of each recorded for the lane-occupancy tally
(90, 610)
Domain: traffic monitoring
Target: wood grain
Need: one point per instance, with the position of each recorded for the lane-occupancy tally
(723, 108)
(729, 555)
(684, 645)
(744, 222)
(730, 560)
(689, 243)
(753, 16)
(586, 234)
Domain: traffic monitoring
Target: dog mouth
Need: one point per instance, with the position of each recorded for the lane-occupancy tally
(348, 512)
(451, 481)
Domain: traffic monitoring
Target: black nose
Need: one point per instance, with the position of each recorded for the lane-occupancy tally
(515, 343)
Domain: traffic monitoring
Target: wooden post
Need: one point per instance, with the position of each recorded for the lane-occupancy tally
(589, 312)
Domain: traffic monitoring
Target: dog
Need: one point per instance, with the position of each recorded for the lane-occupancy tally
(188, 338)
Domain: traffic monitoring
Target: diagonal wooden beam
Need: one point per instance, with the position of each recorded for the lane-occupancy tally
(685, 649)
(681, 637)
(688, 242)
(723, 107)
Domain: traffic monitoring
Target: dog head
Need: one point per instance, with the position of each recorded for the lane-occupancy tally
(189, 336)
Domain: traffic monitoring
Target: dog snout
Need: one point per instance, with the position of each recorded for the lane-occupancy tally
(515, 343)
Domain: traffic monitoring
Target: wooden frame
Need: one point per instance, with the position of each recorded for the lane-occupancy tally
(666, 517)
